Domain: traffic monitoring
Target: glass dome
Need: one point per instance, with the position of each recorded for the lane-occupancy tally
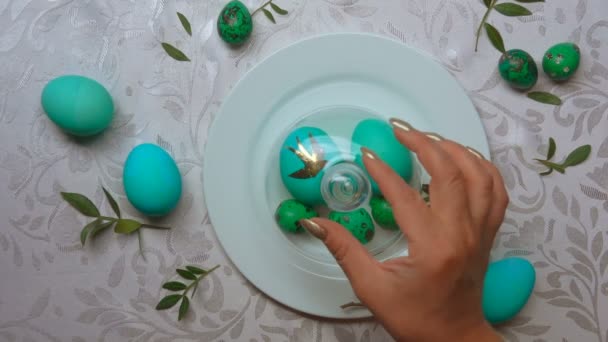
(319, 168)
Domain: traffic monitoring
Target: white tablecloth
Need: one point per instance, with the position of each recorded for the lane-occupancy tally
(52, 289)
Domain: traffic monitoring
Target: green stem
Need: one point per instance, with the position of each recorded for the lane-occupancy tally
(108, 218)
(141, 248)
(145, 225)
(259, 8)
(483, 21)
(194, 283)
(556, 167)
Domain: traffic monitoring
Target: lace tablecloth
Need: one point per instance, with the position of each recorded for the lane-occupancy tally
(52, 289)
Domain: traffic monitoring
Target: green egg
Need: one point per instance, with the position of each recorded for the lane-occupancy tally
(78, 105)
(290, 212)
(561, 61)
(234, 23)
(382, 212)
(518, 68)
(358, 222)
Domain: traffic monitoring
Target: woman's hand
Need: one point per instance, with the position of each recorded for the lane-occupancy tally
(434, 294)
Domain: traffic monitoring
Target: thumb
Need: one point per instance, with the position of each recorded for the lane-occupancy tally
(356, 262)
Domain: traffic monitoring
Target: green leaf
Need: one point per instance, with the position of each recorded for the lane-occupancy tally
(175, 53)
(196, 270)
(185, 23)
(278, 9)
(99, 228)
(183, 308)
(81, 203)
(87, 229)
(112, 202)
(168, 302)
(186, 274)
(552, 148)
(487, 3)
(495, 37)
(174, 286)
(530, 1)
(512, 10)
(577, 156)
(126, 226)
(556, 167)
(269, 15)
(544, 97)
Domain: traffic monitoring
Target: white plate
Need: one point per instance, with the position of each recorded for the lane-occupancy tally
(370, 73)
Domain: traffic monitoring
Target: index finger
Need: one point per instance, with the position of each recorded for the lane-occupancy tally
(448, 188)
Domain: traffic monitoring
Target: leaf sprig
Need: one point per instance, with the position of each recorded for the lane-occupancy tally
(278, 10)
(171, 50)
(121, 226)
(575, 157)
(509, 9)
(193, 273)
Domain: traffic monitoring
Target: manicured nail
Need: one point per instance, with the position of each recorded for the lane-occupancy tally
(475, 153)
(368, 153)
(402, 125)
(434, 136)
(314, 229)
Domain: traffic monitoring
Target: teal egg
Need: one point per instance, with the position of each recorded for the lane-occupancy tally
(377, 135)
(507, 286)
(78, 105)
(304, 155)
(152, 180)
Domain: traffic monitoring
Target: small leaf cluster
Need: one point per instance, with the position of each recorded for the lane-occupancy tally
(576, 157)
(278, 10)
(100, 223)
(193, 273)
(171, 50)
(508, 9)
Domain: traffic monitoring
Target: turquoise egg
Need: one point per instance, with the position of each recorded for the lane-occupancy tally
(152, 180)
(304, 155)
(78, 105)
(507, 286)
(377, 135)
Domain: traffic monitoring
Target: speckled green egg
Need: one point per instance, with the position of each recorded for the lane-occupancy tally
(290, 212)
(561, 61)
(518, 68)
(78, 105)
(234, 23)
(304, 155)
(377, 135)
(358, 222)
(382, 212)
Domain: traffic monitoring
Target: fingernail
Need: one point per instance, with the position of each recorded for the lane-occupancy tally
(314, 229)
(475, 153)
(402, 125)
(434, 136)
(368, 153)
